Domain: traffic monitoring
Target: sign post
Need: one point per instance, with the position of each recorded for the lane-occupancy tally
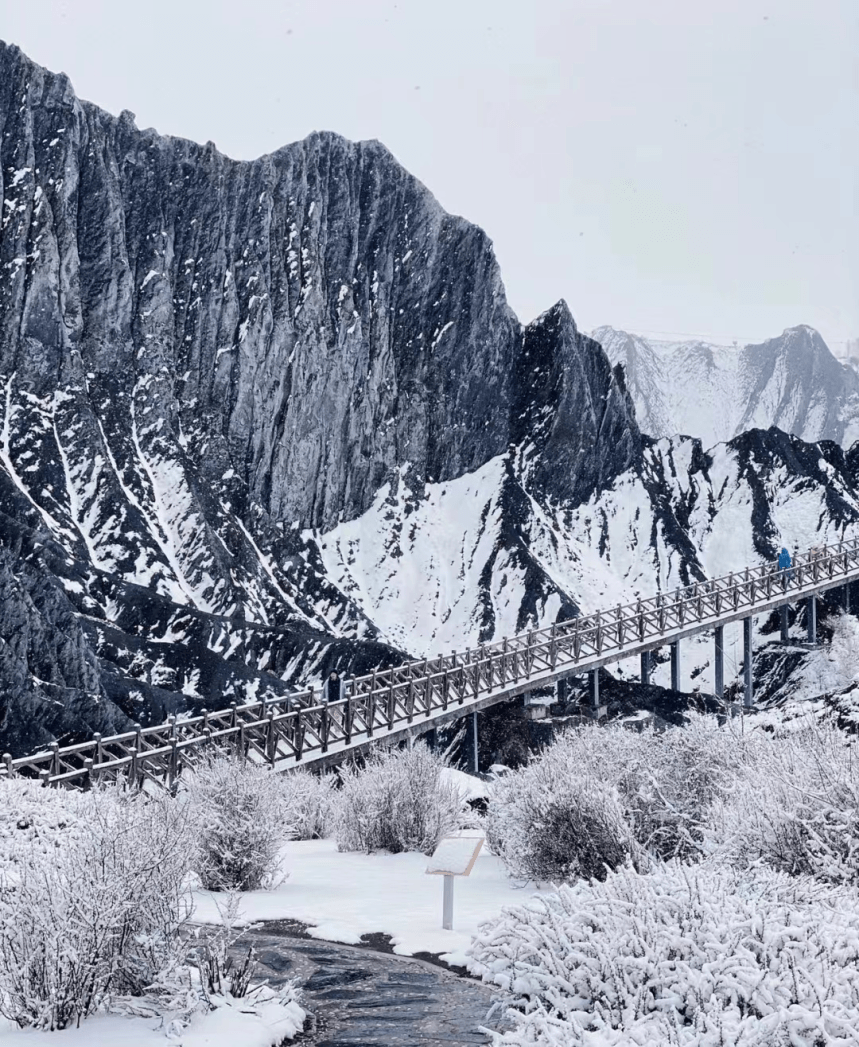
(454, 856)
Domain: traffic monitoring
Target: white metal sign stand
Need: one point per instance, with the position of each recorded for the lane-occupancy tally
(454, 856)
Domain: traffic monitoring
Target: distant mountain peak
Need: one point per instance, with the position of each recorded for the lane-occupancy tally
(715, 392)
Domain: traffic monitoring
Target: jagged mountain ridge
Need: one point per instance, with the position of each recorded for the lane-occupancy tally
(202, 360)
(717, 392)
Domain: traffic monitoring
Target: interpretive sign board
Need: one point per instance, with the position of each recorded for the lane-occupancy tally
(454, 856)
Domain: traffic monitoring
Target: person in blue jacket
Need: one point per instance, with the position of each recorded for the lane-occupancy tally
(784, 564)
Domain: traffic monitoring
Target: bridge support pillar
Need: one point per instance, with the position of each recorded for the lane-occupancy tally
(785, 638)
(645, 667)
(812, 619)
(748, 694)
(719, 662)
(847, 598)
(595, 690)
(675, 666)
(475, 759)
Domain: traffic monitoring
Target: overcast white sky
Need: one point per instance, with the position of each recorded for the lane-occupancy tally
(685, 166)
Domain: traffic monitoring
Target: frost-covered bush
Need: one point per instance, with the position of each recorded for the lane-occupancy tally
(600, 795)
(399, 801)
(242, 820)
(669, 780)
(34, 818)
(310, 802)
(795, 805)
(549, 826)
(686, 955)
(96, 915)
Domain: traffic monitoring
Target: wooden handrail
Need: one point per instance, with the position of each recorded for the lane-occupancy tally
(298, 728)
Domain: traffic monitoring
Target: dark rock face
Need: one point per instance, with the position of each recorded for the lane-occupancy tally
(574, 418)
(201, 358)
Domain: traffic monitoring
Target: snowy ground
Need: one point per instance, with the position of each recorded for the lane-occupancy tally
(228, 1026)
(345, 895)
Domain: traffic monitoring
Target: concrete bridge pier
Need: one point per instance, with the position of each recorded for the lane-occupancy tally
(784, 634)
(675, 666)
(812, 620)
(719, 660)
(475, 760)
(595, 691)
(748, 695)
(847, 598)
(645, 667)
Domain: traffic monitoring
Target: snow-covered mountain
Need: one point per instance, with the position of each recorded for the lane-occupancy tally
(717, 392)
(478, 557)
(200, 360)
(258, 420)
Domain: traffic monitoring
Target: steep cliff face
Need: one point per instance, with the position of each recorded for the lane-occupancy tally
(717, 392)
(202, 361)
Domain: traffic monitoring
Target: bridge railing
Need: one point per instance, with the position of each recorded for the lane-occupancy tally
(289, 730)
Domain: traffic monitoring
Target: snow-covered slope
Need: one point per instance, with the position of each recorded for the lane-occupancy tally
(717, 392)
(481, 557)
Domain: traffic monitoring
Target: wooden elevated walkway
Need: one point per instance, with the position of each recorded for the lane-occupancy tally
(300, 730)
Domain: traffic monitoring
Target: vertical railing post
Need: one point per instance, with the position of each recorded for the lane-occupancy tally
(173, 759)
(410, 697)
(392, 707)
(371, 705)
(347, 713)
(445, 689)
(55, 758)
(553, 647)
(10, 767)
(504, 665)
(299, 735)
(270, 739)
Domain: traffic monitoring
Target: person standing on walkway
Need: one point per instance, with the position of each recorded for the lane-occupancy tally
(784, 565)
(332, 689)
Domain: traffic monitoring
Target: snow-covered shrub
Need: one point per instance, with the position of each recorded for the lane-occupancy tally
(242, 820)
(669, 780)
(687, 955)
(310, 801)
(600, 795)
(34, 817)
(548, 826)
(97, 915)
(795, 804)
(399, 801)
